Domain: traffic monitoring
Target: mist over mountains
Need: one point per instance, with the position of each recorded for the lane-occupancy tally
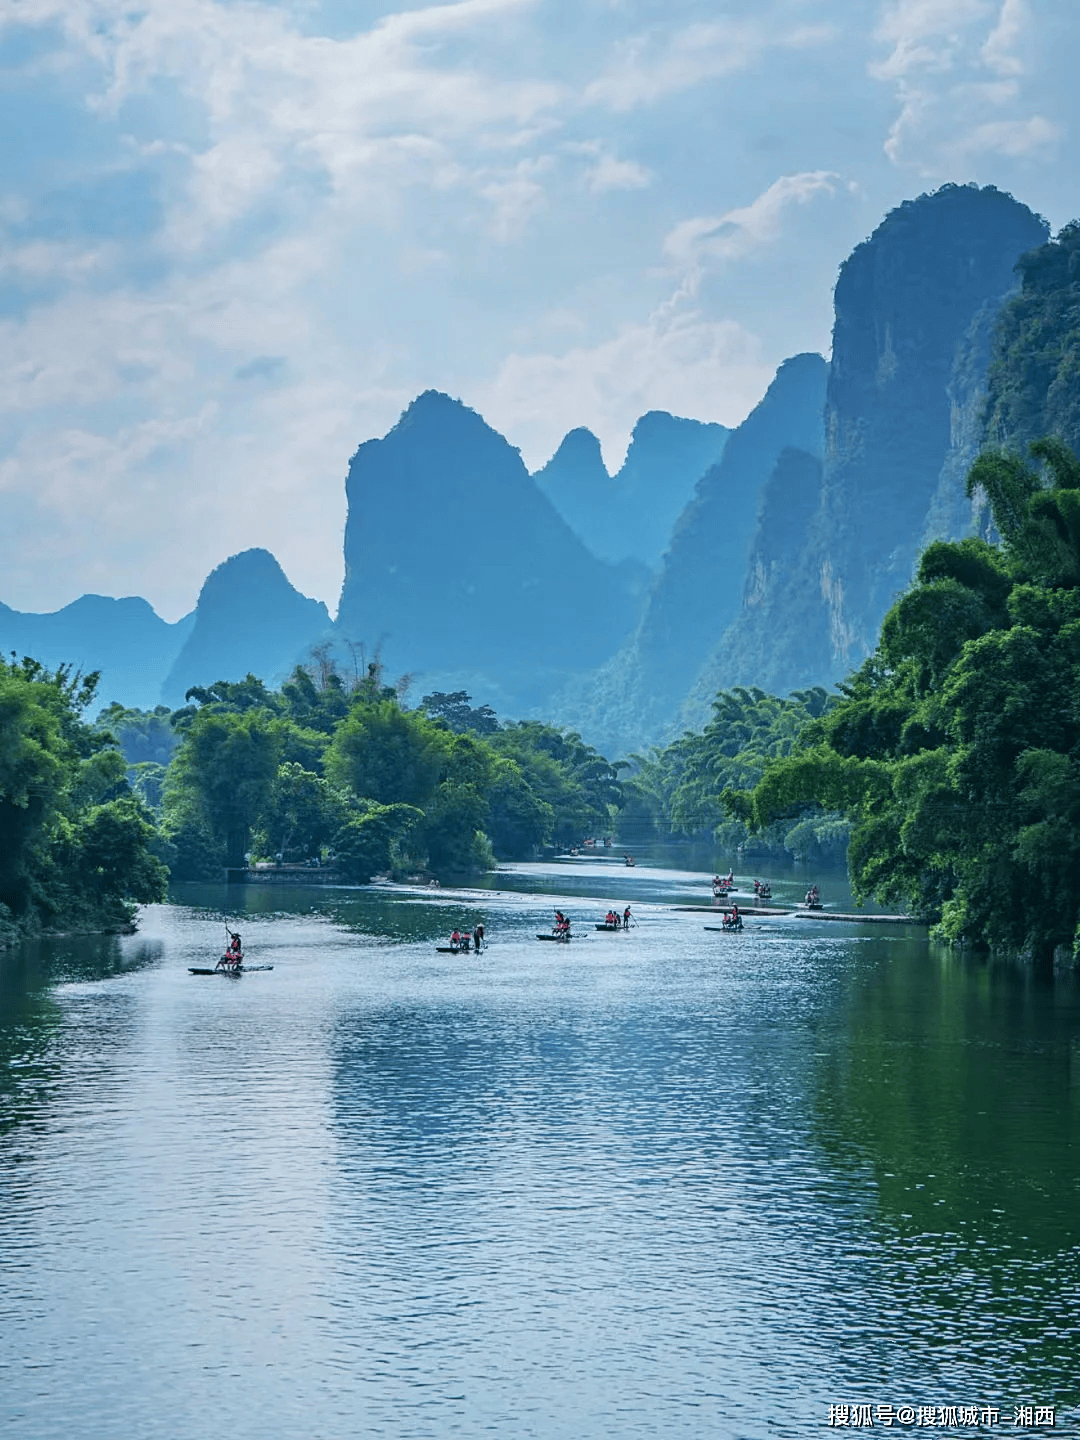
(619, 604)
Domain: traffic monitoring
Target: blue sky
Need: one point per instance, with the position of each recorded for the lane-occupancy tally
(238, 238)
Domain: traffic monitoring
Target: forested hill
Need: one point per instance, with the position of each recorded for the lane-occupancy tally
(637, 695)
(249, 618)
(461, 571)
(1034, 384)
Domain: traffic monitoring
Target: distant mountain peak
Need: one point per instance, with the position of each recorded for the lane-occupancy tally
(579, 447)
(630, 515)
(247, 566)
(434, 409)
(250, 617)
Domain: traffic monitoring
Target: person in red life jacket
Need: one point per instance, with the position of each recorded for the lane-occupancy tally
(626, 918)
(455, 940)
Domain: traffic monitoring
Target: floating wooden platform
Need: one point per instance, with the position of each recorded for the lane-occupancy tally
(857, 919)
(854, 919)
(743, 909)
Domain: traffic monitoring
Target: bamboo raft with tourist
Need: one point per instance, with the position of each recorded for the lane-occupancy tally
(614, 921)
(463, 941)
(560, 931)
(231, 962)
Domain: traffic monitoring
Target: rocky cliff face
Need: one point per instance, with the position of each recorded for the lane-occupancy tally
(779, 564)
(125, 639)
(248, 619)
(905, 301)
(637, 696)
(916, 305)
(631, 515)
(458, 569)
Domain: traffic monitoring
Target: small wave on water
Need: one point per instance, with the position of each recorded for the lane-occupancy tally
(665, 1183)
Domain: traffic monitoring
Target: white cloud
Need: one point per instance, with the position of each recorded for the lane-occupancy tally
(372, 112)
(692, 366)
(925, 35)
(515, 198)
(957, 68)
(653, 64)
(1014, 138)
(611, 174)
(1000, 52)
(740, 232)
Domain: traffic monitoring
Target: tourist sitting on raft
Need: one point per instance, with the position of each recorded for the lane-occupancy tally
(459, 940)
(562, 924)
(732, 919)
(234, 955)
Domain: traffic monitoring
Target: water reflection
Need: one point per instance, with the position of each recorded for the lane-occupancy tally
(665, 1183)
(946, 1086)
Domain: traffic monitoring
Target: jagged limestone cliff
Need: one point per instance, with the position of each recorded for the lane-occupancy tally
(905, 301)
(915, 308)
(779, 563)
(460, 571)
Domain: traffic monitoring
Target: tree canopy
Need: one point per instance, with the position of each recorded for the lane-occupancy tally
(955, 751)
(75, 842)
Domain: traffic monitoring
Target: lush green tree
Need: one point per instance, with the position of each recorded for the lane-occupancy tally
(577, 782)
(33, 770)
(681, 789)
(457, 714)
(76, 847)
(302, 814)
(955, 752)
(519, 822)
(384, 753)
(144, 736)
(221, 779)
(147, 781)
(315, 702)
(367, 844)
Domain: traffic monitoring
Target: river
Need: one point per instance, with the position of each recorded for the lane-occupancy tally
(668, 1183)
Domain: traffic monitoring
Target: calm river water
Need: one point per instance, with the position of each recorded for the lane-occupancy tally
(668, 1183)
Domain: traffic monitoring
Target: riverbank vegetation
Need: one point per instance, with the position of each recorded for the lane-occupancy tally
(328, 770)
(324, 771)
(955, 750)
(75, 841)
(678, 791)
